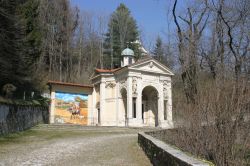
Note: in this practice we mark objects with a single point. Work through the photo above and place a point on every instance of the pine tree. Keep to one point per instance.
(122, 32)
(19, 44)
(10, 41)
(159, 50)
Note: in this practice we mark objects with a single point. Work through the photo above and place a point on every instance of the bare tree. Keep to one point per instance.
(102, 20)
(188, 46)
(235, 16)
(58, 22)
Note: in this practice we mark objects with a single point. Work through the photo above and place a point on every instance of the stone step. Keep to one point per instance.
(88, 128)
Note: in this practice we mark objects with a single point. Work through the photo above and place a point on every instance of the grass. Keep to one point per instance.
(32, 102)
(36, 134)
(33, 135)
(16, 137)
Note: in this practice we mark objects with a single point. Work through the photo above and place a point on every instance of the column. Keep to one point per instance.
(117, 96)
(102, 101)
(169, 105)
(129, 100)
(160, 106)
(139, 102)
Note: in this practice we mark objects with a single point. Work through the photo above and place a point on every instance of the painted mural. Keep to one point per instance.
(71, 108)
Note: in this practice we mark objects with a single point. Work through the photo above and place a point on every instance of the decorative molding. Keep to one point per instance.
(109, 84)
(123, 84)
(134, 85)
(166, 84)
(151, 64)
(165, 93)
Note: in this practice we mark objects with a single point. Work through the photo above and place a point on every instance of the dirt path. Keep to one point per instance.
(73, 145)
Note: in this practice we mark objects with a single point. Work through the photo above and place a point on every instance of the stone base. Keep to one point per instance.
(135, 122)
(108, 123)
(166, 124)
(138, 123)
(161, 153)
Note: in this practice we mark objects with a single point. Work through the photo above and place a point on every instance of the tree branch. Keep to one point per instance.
(175, 19)
(183, 19)
(229, 33)
(203, 27)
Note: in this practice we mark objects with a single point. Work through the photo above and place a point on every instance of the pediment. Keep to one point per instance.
(151, 65)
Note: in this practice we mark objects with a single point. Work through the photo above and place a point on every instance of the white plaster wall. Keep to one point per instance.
(109, 114)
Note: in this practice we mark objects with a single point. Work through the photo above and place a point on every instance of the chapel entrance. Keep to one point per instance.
(150, 106)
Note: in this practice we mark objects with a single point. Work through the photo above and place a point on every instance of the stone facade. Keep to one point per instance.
(138, 94)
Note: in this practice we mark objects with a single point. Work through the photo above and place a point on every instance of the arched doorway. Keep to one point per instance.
(124, 116)
(150, 106)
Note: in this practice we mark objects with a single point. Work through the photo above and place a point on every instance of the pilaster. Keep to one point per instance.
(139, 102)
(169, 105)
(93, 112)
(129, 99)
(102, 100)
(117, 96)
(160, 106)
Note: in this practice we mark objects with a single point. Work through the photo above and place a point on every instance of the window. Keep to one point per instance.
(142, 114)
(134, 107)
(165, 109)
(129, 60)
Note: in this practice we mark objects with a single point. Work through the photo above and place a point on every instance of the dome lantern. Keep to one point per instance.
(128, 52)
(128, 57)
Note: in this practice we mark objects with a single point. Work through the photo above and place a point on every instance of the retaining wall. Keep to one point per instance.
(14, 118)
(162, 154)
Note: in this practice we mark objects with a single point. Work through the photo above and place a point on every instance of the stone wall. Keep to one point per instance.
(14, 118)
(162, 154)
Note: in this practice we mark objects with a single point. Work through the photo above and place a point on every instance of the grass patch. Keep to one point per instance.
(33, 135)
(15, 137)
(31, 102)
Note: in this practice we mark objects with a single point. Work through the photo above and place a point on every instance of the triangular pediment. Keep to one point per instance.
(151, 65)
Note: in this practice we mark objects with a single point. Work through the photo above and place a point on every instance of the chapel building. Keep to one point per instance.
(137, 94)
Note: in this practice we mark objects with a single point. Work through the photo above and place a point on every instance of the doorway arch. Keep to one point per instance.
(150, 106)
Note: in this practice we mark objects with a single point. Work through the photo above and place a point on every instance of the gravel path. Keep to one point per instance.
(73, 145)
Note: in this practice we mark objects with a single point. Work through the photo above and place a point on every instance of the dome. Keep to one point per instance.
(128, 52)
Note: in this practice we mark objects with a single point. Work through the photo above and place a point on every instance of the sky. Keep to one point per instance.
(151, 15)
(70, 97)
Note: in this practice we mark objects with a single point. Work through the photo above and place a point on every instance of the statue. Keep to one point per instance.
(8, 90)
(134, 85)
(165, 92)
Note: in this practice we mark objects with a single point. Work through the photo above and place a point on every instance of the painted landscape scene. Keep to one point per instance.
(71, 108)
